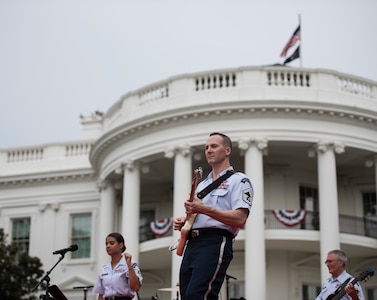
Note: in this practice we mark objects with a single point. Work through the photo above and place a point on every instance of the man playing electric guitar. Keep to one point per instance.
(219, 216)
(336, 263)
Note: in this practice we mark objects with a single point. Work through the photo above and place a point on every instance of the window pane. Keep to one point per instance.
(370, 204)
(309, 202)
(310, 292)
(370, 213)
(81, 235)
(237, 290)
(146, 216)
(372, 294)
(21, 233)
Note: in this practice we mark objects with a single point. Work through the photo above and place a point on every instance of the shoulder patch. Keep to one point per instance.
(247, 196)
(243, 180)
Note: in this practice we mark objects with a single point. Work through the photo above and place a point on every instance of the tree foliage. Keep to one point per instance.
(19, 272)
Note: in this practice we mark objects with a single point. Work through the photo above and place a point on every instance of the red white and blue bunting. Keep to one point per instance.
(161, 227)
(289, 217)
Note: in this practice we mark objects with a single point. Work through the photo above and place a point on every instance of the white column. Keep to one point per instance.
(105, 219)
(375, 171)
(255, 249)
(49, 228)
(183, 175)
(328, 200)
(131, 208)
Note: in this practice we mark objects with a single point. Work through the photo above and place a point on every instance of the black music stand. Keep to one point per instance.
(57, 293)
(227, 277)
(84, 288)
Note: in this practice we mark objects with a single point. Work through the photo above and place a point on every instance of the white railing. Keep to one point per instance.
(263, 77)
(356, 87)
(215, 81)
(154, 93)
(23, 155)
(32, 154)
(294, 78)
(77, 149)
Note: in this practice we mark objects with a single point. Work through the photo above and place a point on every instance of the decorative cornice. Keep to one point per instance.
(260, 143)
(184, 150)
(45, 179)
(129, 132)
(131, 165)
(42, 207)
(323, 146)
(101, 184)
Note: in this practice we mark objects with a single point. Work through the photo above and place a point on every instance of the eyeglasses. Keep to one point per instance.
(329, 261)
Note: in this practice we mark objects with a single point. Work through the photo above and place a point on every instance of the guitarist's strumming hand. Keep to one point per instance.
(191, 207)
(179, 222)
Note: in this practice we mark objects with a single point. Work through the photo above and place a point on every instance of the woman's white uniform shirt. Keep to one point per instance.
(115, 282)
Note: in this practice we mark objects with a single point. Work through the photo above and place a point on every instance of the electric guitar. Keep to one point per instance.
(189, 217)
(365, 275)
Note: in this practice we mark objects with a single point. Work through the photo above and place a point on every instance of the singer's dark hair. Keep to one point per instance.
(119, 238)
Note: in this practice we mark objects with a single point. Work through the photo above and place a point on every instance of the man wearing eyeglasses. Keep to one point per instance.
(336, 263)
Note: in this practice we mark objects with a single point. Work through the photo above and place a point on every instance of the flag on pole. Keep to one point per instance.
(295, 55)
(292, 41)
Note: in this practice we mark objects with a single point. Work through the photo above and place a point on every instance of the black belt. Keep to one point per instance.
(118, 298)
(210, 231)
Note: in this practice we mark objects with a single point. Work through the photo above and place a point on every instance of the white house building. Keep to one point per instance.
(307, 138)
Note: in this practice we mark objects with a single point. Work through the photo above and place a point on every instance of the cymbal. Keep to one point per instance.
(173, 289)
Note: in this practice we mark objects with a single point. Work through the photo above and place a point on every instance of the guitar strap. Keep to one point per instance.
(337, 291)
(214, 184)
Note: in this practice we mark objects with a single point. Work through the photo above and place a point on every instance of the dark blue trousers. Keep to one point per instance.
(204, 266)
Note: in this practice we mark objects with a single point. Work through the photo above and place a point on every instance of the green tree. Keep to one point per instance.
(19, 272)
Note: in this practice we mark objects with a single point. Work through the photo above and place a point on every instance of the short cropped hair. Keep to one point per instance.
(341, 255)
(227, 142)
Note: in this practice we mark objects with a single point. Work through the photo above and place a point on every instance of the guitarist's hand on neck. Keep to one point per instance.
(352, 292)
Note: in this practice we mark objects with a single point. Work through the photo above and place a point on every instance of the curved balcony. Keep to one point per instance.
(303, 236)
(347, 224)
(361, 226)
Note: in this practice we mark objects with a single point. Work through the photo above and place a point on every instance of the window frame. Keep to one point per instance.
(12, 221)
(71, 238)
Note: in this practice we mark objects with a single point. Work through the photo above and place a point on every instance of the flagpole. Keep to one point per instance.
(299, 22)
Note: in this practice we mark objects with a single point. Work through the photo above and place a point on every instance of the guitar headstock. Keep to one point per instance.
(199, 172)
(197, 176)
(365, 275)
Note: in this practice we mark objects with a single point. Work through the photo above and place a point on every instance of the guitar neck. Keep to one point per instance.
(189, 217)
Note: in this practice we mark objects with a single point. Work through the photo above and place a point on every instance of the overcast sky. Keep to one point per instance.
(63, 58)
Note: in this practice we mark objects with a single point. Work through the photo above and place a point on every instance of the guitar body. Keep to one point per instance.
(190, 218)
(185, 230)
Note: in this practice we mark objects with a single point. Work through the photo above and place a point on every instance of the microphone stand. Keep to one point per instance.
(47, 279)
(227, 277)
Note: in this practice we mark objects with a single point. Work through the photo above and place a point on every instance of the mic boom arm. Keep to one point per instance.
(46, 277)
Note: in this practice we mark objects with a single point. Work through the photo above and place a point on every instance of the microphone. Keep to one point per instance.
(65, 250)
